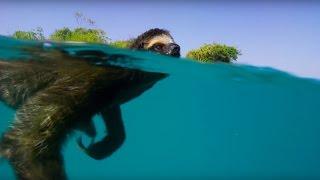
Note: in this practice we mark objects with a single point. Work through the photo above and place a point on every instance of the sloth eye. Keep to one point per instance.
(158, 47)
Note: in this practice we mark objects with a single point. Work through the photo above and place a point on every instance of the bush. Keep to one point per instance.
(121, 44)
(214, 53)
(80, 34)
(36, 34)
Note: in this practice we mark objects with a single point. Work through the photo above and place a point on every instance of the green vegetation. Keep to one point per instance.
(214, 53)
(36, 34)
(121, 44)
(206, 53)
(80, 34)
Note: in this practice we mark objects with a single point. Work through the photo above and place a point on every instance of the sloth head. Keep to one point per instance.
(157, 40)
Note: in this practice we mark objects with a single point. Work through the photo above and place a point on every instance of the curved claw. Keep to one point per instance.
(112, 141)
(101, 149)
(81, 145)
(91, 150)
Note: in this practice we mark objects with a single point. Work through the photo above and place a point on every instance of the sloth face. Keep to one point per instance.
(171, 49)
(164, 45)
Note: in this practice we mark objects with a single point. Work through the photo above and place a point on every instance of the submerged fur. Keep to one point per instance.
(52, 96)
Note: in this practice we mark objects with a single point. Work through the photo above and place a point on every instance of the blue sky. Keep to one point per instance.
(283, 35)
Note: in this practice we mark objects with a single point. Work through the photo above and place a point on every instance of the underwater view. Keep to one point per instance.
(203, 121)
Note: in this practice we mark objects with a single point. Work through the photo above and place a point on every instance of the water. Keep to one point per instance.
(203, 121)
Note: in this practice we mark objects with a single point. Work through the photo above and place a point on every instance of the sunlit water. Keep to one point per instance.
(203, 121)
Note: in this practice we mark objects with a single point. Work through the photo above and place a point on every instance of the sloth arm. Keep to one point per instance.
(113, 140)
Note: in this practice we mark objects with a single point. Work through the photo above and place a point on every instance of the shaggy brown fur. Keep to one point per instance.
(55, 93)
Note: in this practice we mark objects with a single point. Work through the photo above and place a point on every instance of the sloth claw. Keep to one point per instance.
(88, 150)
(82, 146)
(97, 150)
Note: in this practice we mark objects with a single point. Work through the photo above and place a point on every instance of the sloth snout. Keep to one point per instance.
(174, 49)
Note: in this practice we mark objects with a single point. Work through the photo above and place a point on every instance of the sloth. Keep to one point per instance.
(55, 93)
(156, 40)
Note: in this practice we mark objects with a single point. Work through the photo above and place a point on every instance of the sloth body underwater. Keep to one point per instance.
(54, 94)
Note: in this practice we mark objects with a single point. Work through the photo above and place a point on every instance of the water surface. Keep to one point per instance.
(228, 121)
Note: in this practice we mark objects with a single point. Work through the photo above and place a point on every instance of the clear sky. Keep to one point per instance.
(283, 35)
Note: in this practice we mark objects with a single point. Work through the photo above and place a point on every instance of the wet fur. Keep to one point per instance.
(52, 95)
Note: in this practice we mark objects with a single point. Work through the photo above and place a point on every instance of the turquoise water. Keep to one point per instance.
(203, 121)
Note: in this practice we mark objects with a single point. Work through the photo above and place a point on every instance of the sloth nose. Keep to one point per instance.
(175, 48)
